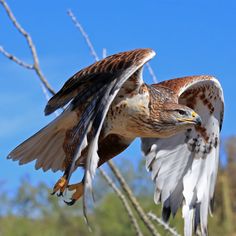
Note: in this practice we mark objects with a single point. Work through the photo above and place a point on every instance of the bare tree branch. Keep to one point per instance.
(31, 45)
(124, 201)
(15, 59)
(164, 224)
(47, 96)
(133, 199)
(151, 72)
(84, 34)
(19, 28)
(104, 52)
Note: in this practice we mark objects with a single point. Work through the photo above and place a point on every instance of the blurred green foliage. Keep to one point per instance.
(31, 210)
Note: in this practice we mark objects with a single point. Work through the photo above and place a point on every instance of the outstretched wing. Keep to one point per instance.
(184, 167)
(89, 80)
(107, 76)
(89, 94)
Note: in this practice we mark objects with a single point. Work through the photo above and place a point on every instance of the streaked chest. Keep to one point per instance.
(127, 112)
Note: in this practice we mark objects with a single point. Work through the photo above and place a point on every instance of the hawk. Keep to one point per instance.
(107, 105)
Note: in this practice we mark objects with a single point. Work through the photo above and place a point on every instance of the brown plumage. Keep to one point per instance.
(110, 106)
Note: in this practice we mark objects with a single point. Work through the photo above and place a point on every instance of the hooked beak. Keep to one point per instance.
(198, 121)
(195, 119)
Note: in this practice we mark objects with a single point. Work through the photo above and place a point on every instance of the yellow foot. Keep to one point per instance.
(60, 186)
(79, 191)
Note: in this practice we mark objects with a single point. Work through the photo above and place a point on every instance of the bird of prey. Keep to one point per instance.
(107, 105)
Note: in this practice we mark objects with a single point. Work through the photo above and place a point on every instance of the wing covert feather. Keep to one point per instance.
(97, 74)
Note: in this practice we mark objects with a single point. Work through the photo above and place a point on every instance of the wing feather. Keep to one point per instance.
(93, 116)
(98, 74)
(46, 146)
(89, 94)
(184, 167)
(104, 100)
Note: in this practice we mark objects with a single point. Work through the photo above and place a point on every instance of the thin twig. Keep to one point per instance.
(31, 45)
(164, 224)
(15, 59)
(47, 96)
(133, 199)
(151, 72)
(104, 52)
(124, 201)
(45, 91)
(84, 34)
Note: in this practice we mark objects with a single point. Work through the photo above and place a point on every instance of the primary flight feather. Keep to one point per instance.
(109, 105)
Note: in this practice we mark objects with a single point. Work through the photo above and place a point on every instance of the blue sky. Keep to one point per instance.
(190, 38)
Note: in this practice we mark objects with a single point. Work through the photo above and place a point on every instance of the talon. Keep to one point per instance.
(60, 194)
(79, 190)
(70, 203)
(60, 186)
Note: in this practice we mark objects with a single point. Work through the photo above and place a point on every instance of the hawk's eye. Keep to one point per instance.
(182, 113)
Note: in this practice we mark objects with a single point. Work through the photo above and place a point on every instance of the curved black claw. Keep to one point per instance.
(70, 203)
(60, 194)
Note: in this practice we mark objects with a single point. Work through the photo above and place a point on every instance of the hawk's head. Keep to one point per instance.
(174, 118)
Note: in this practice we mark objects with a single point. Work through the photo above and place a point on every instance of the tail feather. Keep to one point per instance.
(31, 148)
(51, 161)
(49, 145)
(46, 146)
